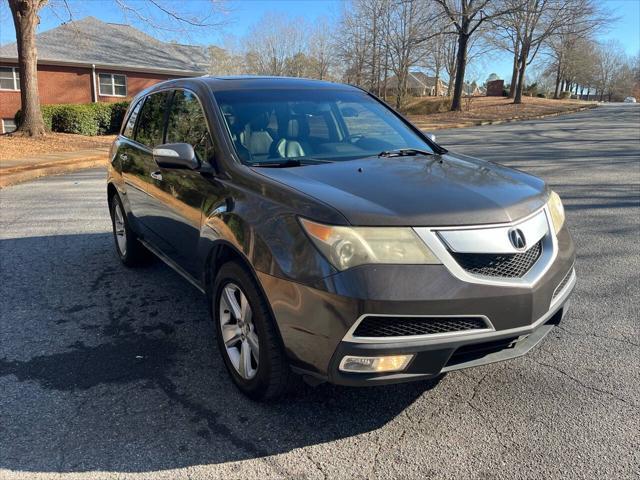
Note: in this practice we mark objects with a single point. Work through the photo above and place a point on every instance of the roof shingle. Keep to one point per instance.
(91, 41)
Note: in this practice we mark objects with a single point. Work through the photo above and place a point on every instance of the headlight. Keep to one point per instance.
(347, 247)
(557, 211)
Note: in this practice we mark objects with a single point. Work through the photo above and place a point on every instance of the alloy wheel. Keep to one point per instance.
(119, 229)
(238, 331)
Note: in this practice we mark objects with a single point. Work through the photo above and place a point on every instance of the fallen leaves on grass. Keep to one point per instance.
(19, 146)
(481, 109)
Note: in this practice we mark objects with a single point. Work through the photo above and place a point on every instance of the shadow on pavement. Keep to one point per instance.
(110, 369)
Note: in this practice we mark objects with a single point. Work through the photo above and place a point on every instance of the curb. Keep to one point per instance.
(13, 175)
(481, 123)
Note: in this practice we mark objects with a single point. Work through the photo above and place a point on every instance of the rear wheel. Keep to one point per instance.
(246, 335)
(128, 248)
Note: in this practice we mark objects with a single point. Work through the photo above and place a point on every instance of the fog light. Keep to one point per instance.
(391, 363)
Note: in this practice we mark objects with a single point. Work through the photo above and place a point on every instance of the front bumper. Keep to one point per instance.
(314, 321)
(435, 356)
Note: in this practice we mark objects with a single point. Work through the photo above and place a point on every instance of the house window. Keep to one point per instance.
(8, 125)
(9, 78)
(112, 85)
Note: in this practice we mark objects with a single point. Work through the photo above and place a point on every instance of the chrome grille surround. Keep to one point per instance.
(445, 242)
(351, 337)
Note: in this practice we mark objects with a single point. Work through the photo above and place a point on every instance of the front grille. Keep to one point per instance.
(408, 326)
(562, 284)
(511, 265)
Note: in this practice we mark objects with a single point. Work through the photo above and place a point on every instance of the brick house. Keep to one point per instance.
(418, 85)
(92, 61)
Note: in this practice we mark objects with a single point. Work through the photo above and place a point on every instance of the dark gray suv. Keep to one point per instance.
(332, 238)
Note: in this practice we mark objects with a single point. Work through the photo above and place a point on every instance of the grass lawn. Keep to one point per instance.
(483, 109)
(16, 146)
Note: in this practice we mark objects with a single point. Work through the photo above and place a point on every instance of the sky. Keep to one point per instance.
(242, 14)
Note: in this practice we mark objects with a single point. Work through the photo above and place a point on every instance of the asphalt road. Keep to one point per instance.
(107, 372)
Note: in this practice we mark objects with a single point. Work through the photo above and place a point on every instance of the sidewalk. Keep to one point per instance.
(25, 169)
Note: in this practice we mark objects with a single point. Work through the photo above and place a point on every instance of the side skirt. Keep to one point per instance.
(173, 265)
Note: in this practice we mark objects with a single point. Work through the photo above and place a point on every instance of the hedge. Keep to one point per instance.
(82, 119)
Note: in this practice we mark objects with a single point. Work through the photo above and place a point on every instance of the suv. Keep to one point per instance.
(334, 239)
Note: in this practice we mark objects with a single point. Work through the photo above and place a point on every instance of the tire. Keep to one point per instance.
(130, 251)
(267, 375)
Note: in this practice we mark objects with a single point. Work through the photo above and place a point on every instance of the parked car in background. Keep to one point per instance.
(332, 238)
(630, 100)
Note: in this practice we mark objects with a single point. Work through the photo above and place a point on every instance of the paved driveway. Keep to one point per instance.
(112, 373)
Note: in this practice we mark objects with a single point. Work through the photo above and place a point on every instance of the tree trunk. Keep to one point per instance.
(26, 20)
(514, 74)
(461, 64)
(523, 67)
(558, 79)
(402, 86)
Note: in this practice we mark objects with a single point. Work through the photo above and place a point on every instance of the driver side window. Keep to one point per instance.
(188, 124)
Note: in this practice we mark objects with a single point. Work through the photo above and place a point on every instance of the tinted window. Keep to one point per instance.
(365, 122)
(149, 130)
(267, 125)
(187, 124)
(131, 122)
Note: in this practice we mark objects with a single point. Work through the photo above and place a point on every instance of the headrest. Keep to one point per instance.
(297, 128)
(260, 121)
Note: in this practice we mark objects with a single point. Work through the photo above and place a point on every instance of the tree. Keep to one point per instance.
(540, 20)
(25, 14)
(466, 17)
(272, 44)
(320, 50)
(26, 19)
(408, 32)
(610, 59)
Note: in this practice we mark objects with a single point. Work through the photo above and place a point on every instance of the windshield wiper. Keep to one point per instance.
(290, 162)
(404, 152)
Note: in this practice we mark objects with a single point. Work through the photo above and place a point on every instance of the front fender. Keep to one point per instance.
(276, 245)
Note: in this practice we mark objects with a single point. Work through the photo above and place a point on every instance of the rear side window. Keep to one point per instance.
(151, 121)
(188, 124)
(131, 122)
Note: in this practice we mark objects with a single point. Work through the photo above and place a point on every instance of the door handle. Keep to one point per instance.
(156, 175)
(124, 157)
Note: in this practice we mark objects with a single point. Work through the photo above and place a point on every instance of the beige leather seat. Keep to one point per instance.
(294, 142)
(255, 137)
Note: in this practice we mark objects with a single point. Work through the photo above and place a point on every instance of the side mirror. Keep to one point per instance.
(176, 155)
(431, 136)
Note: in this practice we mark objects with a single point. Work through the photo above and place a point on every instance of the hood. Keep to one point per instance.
(439, 190)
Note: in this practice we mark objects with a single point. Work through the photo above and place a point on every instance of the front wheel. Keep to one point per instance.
(246, 335)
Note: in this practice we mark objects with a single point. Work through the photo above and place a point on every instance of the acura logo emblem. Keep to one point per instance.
(516, 237)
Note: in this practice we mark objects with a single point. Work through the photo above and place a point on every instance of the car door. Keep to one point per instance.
(130, 163)
(148, 133)
(181, 193)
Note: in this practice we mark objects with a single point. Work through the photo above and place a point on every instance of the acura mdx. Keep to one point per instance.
(332, 238)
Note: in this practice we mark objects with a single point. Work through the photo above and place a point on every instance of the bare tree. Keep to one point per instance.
(539, 20)
(26, 17)
(320, 50)
(272, 43)
(409, 30)
(610, 59)
(466, 17)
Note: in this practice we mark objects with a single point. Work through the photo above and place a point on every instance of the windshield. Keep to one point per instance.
(311, 126)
